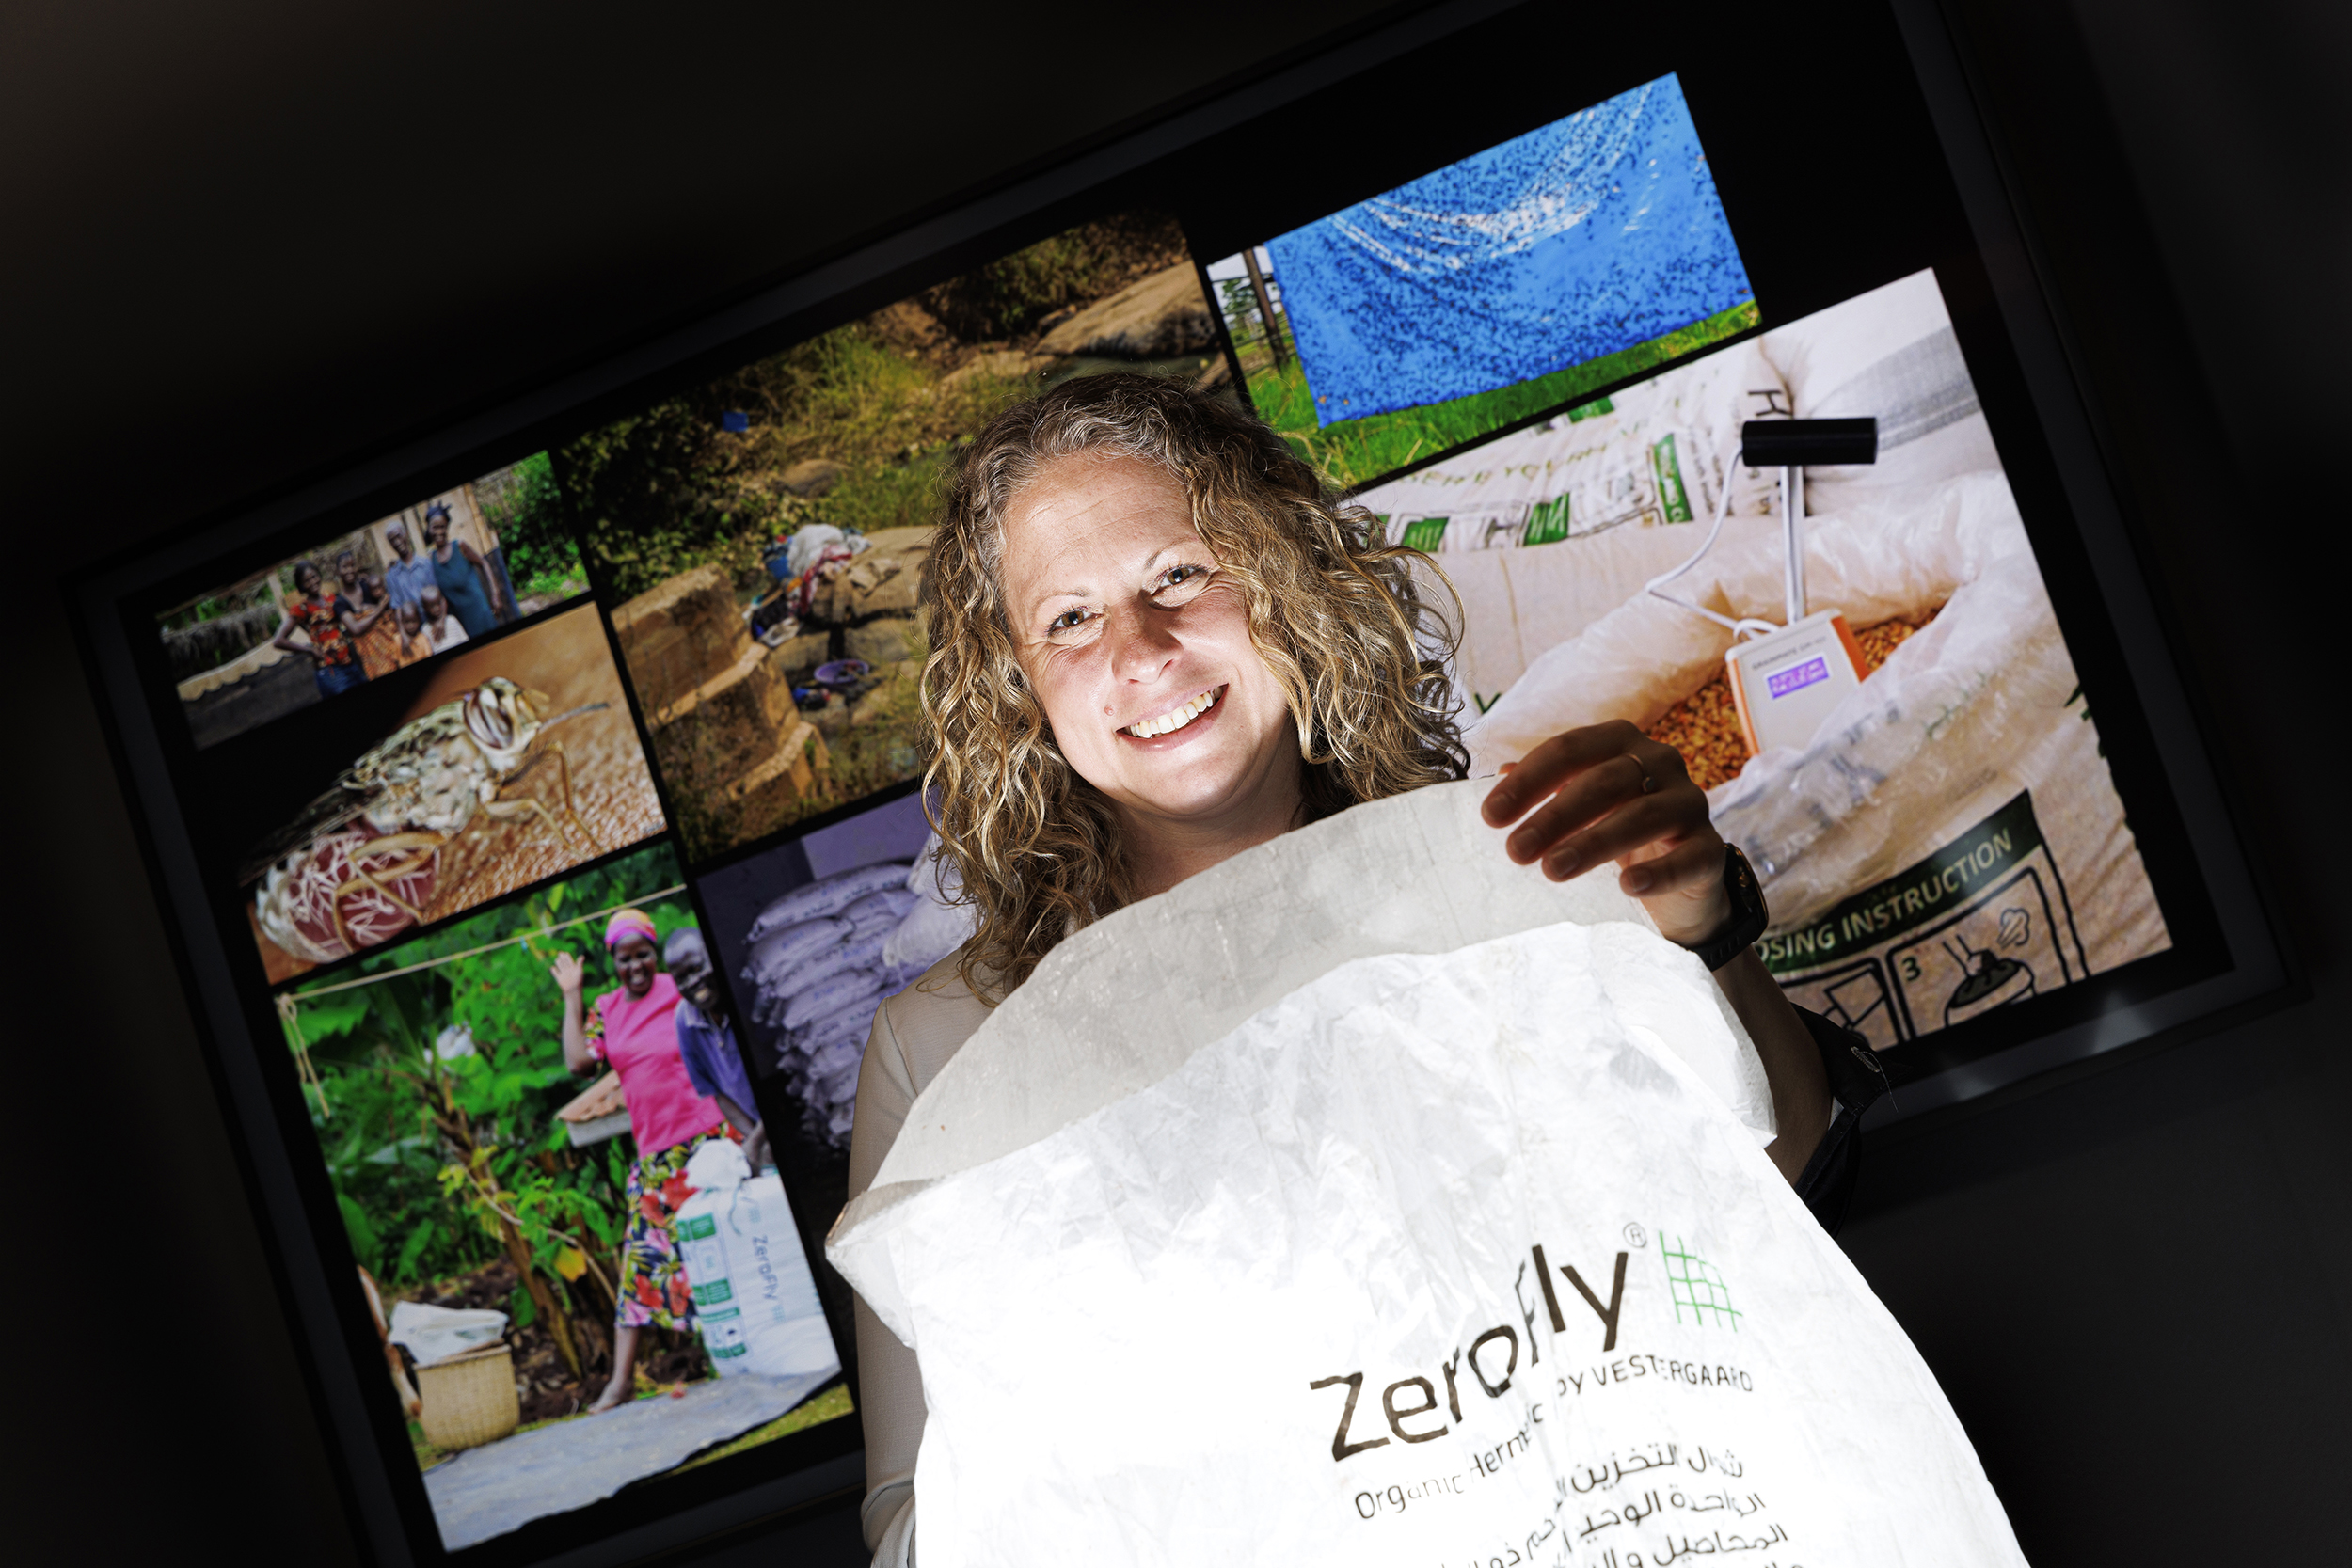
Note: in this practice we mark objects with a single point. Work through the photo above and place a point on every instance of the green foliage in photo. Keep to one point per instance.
(535, 530)
(661, 492)
(440, 1088)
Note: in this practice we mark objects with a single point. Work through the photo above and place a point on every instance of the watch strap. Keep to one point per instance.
(1748, 914)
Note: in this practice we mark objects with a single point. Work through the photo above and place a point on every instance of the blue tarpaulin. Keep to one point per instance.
(1590, 235)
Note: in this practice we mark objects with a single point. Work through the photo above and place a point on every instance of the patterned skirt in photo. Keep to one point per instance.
(653, 1278)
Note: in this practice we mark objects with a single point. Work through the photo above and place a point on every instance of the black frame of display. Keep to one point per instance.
(2226, 954)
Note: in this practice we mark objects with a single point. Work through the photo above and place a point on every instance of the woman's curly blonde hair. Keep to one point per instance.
(1337, 615)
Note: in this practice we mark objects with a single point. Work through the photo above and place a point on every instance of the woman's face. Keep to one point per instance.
(306, 581)
(436, 531)
(1139, 649)
(634, 959)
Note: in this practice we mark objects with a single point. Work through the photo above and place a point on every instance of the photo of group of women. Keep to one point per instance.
(514, 1111)
(356, 606)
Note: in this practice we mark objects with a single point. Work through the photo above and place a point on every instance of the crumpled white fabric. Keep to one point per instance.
(440, 1332)
(1491, 1193)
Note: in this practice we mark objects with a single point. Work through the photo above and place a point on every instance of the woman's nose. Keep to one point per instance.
(1142, 644)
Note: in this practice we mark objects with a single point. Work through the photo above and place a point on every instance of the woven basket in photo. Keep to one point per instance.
(468, 1400)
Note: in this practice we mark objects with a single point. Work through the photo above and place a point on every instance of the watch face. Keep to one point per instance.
(1740, 878)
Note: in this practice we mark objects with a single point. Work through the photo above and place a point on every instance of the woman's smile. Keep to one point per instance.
(1186, 721)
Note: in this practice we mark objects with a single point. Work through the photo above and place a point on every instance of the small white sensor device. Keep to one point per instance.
(1784, 681)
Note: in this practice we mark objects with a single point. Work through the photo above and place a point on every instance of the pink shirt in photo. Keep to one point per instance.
(640, 1040)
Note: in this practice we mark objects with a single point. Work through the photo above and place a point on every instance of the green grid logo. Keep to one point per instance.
(697, 1226)
(1694, 1286)
(717, 1291)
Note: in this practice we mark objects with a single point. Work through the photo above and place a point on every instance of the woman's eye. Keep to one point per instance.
(1069, 619)
(1179, 576)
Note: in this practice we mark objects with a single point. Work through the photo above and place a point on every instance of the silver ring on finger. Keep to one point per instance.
(1649, 786)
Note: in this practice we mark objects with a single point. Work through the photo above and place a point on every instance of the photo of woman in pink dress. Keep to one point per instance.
(632, 1031)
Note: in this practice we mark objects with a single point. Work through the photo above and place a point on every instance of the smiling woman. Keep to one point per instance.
(1157, 640)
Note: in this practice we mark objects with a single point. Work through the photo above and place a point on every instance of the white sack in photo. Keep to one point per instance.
(937, 925)
(1608, 488)
(1459, 1247)
(1978, 712)
(1518, 605)
(1651, 454)
(1877, 563)
(755, 1299)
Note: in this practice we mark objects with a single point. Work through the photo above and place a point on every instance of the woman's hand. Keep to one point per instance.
(569, 972)
(1607, 792)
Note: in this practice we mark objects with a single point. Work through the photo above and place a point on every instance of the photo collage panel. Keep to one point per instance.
(578, 901)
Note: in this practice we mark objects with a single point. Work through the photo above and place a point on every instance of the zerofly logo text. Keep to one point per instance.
(1410, 1403)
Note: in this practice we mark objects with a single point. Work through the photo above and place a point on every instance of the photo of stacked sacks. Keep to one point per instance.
(823, 958)
(1947, 839)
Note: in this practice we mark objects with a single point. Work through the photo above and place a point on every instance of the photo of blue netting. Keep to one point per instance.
(1595, 234)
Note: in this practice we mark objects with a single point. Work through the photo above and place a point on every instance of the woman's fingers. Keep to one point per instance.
(1638, 822)
(1656, 780)
(1550, 764)
(1582, 801)
(1607, 792)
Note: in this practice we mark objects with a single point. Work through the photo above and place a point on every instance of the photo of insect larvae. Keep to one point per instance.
(517, 763)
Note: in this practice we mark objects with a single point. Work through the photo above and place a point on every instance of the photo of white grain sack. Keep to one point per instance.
(816, 933)
(1946, 838)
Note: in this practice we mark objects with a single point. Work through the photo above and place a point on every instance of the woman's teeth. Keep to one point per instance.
(1174, 720)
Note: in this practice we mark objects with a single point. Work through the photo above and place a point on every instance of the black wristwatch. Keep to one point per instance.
(1748, 916)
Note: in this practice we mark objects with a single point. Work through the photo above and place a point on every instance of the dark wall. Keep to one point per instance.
(245, 244)
(2134, 1285)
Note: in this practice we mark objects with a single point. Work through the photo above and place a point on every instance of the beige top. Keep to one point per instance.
(914, 1035)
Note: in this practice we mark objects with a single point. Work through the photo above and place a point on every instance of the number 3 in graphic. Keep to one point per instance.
(1911, 967)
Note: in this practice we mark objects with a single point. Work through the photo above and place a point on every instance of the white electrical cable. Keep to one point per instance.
(1745, 626)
